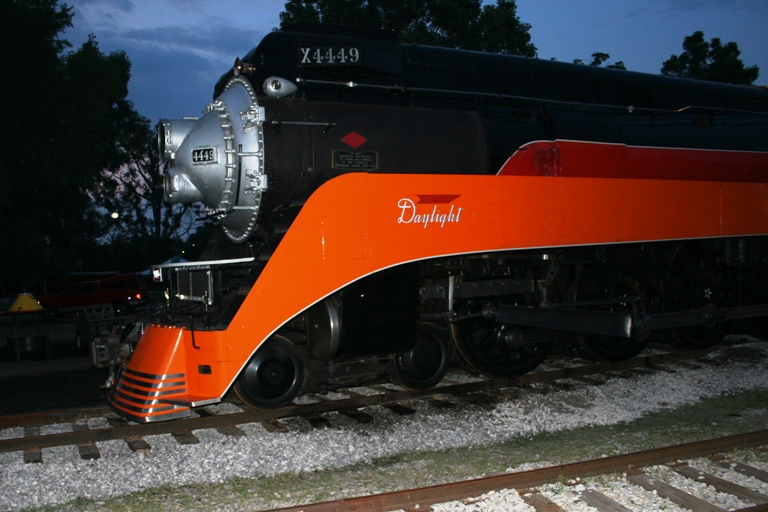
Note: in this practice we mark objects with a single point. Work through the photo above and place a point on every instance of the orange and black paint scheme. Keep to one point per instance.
(387, 210)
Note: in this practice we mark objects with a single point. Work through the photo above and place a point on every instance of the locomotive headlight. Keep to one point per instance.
(219, 159)
(276, 87)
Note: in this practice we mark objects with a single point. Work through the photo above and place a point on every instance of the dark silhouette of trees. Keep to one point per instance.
(713, 61)
(600, 58)
(75, 153)
(139, 227)
(465, 24)
(57, 126)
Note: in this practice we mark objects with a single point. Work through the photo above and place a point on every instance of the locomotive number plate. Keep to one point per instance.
(203, 155)
(329, 56)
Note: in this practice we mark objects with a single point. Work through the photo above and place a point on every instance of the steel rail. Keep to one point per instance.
(413, 499)
(357, 402)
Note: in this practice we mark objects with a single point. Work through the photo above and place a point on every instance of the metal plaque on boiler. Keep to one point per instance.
(355, 160)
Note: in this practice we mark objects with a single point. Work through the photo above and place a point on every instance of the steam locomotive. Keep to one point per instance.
(386, 209)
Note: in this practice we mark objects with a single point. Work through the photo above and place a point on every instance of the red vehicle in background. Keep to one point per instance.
(122, 292)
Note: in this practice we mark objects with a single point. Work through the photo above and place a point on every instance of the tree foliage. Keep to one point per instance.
(600, 58)
(713, 61)
(465, 24)
(57, 122)
(139, 226)
(76, 152)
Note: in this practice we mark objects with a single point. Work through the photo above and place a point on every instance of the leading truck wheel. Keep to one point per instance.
(273, 377)
(426, 363)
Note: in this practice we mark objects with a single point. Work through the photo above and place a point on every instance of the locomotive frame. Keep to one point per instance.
(385, 215)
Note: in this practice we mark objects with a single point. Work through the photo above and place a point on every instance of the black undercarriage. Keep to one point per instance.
(497, 314)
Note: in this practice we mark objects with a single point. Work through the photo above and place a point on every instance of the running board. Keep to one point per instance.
(622, 324)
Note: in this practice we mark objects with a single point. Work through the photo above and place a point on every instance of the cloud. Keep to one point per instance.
(175, 69)
(178, 49)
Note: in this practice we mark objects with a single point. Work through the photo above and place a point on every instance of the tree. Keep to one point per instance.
(598, 58)
(138, 227)
(57, 121)
(462, 24)
(502, 31)
(711, 61)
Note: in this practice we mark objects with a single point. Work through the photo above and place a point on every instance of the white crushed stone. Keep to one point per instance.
(219, 458)
(12, 433)
(634, 497)
(698, 489)
(750, 482)
(505, 499)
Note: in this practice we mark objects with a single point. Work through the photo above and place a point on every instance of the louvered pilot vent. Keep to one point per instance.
(140, 395)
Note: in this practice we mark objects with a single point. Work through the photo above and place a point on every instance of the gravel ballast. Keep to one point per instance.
(305, 450)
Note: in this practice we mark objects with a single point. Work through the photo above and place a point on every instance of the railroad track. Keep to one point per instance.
(85, 438)
(636, 469)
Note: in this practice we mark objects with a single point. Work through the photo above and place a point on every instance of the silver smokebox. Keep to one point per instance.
(218, 159)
